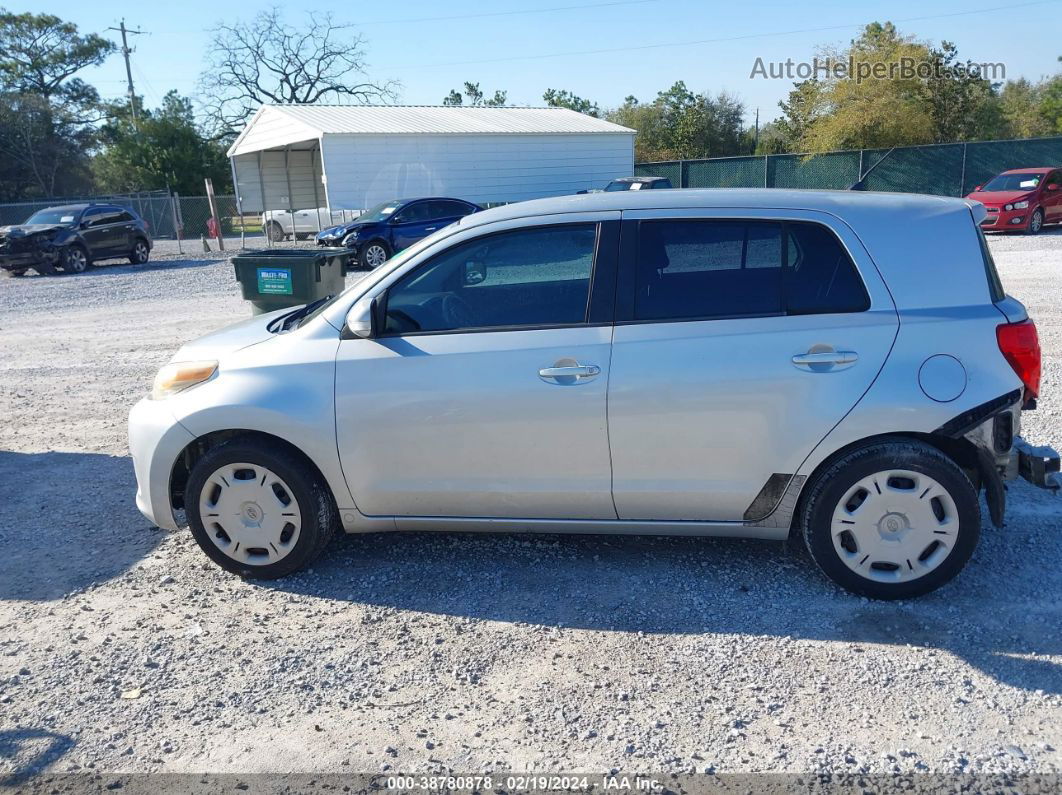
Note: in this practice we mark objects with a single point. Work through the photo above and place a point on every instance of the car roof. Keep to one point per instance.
(844, 204)
(433, 199)
(76, 208)
(638, 179)
(1034, 170)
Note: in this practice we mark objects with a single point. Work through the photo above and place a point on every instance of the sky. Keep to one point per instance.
(603, 50)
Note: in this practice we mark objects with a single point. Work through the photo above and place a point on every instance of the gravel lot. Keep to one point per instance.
(123, 650)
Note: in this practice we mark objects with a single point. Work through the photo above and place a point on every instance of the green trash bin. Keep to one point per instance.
(275, 278)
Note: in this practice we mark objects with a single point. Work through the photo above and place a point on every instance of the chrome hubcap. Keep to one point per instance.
(141, 252)
(250, 514)
(895, 526)
(1036, 222)
(75, 260)
(375, 256)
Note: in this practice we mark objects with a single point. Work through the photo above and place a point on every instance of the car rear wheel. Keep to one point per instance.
(892, 520)
(1036, 223)
(257, 511)
(17, 272)
(275, 232)
(140, 253)
(374, 254)
(75, 259)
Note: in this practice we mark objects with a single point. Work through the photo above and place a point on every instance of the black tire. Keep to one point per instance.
(75, 259)
(1036, 222)
(841, 475)
(18, 272)
(368, 253)
(315, 505)
(140, 253)
(275, 232)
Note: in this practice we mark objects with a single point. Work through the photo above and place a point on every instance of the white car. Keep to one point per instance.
(302, 224)
(748, 363)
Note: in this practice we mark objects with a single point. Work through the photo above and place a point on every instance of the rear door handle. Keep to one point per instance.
(570, 374)
(821, 361)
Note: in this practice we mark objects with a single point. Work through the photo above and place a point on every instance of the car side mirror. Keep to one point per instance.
(1053, 186)
(361, 320)
(475, 272)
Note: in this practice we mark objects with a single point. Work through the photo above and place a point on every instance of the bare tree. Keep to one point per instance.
(267, 60)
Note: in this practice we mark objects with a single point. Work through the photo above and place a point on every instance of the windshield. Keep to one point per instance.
(1013, 182)
(60, 216)
(613, 186)
(381, 212)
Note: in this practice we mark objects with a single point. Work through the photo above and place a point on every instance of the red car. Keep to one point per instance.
(1022, 199)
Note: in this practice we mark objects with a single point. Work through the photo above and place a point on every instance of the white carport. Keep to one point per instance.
(292, 157)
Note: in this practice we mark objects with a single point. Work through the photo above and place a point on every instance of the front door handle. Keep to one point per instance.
(569, 374)
(431, 229)
(828, 360)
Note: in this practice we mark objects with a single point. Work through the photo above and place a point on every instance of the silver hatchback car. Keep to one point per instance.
(841, 367)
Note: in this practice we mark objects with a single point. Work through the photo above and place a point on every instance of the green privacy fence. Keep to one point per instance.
(941, 169)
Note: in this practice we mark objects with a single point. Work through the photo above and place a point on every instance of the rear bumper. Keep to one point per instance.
(1038, 465)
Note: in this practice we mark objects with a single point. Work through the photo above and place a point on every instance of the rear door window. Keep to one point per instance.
(820, 277)
(708, 269)
(705, 269)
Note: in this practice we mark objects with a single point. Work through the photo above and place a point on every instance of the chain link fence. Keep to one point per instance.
(940, 169)
(168, 216)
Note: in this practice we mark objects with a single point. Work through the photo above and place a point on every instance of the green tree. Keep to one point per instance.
(566, 99)
(1021, 106)
(877, 112)
(682, 124)
(164, 148)
(47, 113)
(963, 105)
(473, 96)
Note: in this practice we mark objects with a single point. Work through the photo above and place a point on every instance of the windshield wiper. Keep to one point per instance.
(292, 319)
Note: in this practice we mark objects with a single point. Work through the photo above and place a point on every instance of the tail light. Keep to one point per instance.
(1020, 346)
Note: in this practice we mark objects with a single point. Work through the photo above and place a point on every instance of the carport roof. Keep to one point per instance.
(313, 121)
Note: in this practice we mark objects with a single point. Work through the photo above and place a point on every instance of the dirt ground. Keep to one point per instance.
(122, 649)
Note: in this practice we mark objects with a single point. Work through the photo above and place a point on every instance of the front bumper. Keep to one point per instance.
(1038, 465)
(156, 440)
(1001, 220)
(30, 258)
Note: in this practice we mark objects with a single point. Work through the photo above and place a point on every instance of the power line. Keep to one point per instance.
(484, 14)
(609, 50)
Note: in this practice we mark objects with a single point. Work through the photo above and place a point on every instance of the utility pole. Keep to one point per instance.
(756, 137)
(126, 52)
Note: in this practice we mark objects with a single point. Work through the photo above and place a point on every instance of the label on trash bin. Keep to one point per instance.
(274, 281)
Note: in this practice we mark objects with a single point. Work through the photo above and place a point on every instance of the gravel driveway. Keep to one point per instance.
(122, 649)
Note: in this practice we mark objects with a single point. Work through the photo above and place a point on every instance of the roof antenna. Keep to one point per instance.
(861, 183)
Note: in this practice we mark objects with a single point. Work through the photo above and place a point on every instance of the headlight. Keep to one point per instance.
(1023, 205)
(350, 238)
(179, 376)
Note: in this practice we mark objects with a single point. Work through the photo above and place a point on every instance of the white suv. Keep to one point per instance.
(750, 363)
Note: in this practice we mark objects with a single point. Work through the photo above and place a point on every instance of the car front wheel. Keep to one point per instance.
(374, 254)
(258, 511)
(75, 259)
(1036, 223)
(891, 520)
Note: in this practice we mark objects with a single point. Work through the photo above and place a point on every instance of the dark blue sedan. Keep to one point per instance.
(378, 233)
